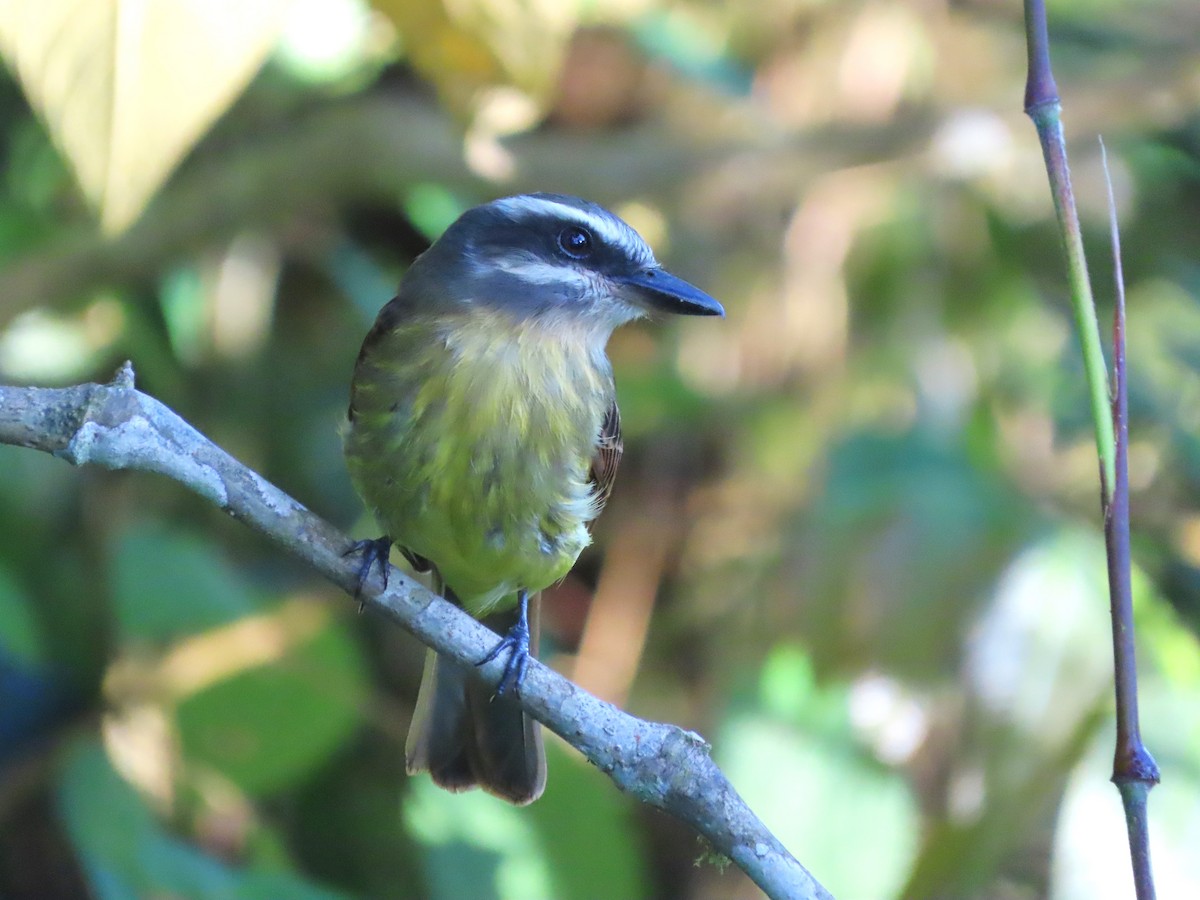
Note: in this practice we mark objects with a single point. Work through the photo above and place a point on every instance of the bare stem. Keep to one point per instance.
(1043, 107)
(1134, 770)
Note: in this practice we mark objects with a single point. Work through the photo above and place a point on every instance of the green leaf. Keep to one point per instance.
(594, 853)
(578, 842)
(127, 855)
(796, 762)
(475, 846)
(909, 528)
(127, 87)
(20, 636)
(267, 727)
(168, 584)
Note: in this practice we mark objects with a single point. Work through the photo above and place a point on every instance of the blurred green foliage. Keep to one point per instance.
(864, 507)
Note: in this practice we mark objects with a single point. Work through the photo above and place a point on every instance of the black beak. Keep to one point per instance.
(658, 289)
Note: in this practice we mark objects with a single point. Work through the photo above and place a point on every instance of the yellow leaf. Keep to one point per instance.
(126, 87)
(465, 46)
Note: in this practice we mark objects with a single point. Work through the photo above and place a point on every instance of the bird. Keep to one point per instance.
(483, 434)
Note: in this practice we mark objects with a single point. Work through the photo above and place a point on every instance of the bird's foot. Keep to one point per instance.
(516, 642)
(374, 553)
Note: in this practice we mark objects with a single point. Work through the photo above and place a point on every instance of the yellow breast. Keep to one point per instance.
(473, 441)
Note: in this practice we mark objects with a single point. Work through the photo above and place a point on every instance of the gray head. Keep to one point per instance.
(550, 254)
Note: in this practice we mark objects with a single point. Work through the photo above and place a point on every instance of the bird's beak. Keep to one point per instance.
(658, 289)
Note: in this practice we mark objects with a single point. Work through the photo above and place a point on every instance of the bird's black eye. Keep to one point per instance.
(576, 242)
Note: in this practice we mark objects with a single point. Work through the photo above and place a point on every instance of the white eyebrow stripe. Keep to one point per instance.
(606, 228)
(609, 230)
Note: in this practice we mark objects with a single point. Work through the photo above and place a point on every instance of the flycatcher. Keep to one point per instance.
(484, 435)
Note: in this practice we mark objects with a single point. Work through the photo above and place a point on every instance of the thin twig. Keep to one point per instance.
(117, 427)
(1134, 769)
(1043, 107)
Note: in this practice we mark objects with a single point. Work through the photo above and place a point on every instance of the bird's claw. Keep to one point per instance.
(516, 642)
(375, 553)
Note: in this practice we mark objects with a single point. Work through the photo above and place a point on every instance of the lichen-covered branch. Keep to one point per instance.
(117, 427)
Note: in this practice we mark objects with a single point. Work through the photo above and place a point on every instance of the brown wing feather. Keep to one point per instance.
(608, 456)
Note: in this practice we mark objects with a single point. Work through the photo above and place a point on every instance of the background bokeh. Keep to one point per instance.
(855, 540)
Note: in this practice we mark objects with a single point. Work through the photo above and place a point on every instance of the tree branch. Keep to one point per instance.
(118, 427)
(277, 174)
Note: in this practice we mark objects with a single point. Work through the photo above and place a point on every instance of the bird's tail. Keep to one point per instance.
(464, 735)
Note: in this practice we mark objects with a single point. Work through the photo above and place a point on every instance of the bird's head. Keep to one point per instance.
(551, 255)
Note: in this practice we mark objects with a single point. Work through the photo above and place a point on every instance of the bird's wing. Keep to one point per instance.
(391, 315)
(608, 456)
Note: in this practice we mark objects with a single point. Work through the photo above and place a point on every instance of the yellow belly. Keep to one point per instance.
(472, 442)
